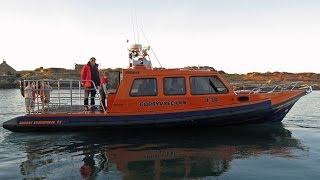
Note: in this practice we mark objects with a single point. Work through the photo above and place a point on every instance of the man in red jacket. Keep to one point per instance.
(89, 78)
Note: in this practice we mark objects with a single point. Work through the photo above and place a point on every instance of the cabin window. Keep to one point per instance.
(113, 81)
(207, 85)
(144, 87)
(174, 86)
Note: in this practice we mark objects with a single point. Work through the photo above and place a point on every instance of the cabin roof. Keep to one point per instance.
(166, 72)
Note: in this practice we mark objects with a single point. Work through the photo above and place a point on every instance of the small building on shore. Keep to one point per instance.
(78, 67)
(6, 69)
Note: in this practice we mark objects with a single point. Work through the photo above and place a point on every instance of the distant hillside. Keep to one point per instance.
(234, 79)
(312, 79)
(50, 73)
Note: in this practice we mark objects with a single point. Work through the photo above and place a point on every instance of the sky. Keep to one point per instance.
(236, 36)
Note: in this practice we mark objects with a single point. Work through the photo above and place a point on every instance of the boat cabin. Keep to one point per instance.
(143, 90)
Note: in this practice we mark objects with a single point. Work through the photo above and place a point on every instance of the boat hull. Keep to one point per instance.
(247, 114)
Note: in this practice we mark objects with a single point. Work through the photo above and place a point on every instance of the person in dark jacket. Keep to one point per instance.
(89, 77)
(104, 89)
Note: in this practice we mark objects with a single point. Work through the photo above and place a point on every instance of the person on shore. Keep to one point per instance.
(30, 96)
(90, 80)
(104, 89)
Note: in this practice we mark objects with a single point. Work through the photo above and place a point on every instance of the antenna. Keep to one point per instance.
(133, 27)
(135, 12)
(151, 47)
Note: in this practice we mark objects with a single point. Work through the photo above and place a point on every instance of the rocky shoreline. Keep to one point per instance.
(313, 79)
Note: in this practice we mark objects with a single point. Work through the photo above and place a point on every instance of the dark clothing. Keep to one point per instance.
(92, 93)
(95, 74)
(103, 98)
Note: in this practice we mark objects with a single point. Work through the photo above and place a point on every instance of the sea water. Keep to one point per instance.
(287, 150)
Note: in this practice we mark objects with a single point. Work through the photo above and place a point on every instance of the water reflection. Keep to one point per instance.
(164, 154)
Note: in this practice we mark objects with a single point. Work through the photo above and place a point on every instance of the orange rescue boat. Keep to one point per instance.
(143, 97)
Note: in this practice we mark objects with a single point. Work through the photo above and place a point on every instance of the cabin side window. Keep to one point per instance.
(144, 87)
(113, 81)
(174, 86)
(207, 85)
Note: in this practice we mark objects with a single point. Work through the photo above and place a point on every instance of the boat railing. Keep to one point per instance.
(270, 87)
(57, 96)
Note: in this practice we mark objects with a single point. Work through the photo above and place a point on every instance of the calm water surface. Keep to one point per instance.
(290, 150)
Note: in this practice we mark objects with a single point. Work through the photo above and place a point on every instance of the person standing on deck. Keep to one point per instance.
(90, 75)
(104, 89)
(45, 89)
(30, 96)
